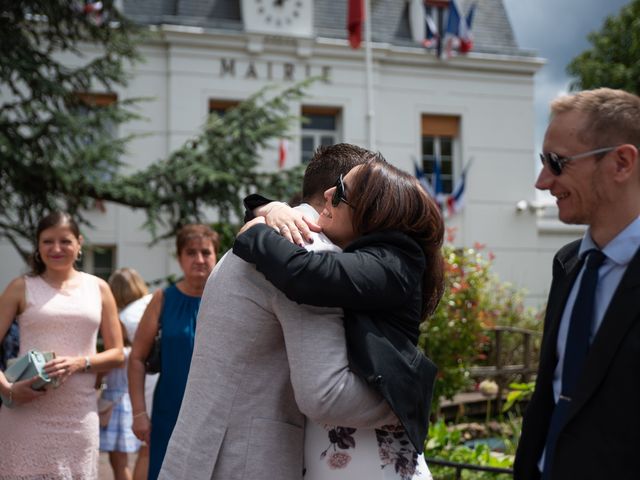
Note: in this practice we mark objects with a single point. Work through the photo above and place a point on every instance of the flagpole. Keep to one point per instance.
(371, 135)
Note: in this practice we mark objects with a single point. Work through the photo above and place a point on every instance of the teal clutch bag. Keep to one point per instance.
(29, 365)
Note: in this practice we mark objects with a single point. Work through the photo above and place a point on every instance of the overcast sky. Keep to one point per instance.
(557, 30)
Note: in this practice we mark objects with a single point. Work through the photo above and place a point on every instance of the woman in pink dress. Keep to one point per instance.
(53, 434)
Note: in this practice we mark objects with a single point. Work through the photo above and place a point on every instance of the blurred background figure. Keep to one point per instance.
(174, 309)
(117, 436)
(132, 297)
(54, 433)
(10, 346)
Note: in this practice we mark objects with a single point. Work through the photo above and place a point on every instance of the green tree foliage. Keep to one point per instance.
(456, 336)
(614, 57)
(216, 168)
(53, 149)
(56, 149)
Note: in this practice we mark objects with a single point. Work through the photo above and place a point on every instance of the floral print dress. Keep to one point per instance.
(342, 453)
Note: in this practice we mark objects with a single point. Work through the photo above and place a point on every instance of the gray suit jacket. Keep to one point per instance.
(261, 363)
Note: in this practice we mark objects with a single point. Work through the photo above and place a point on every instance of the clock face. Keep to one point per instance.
(279, 13)
(281, 17)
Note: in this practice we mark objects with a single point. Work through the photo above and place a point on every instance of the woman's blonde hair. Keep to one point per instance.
(127, 285)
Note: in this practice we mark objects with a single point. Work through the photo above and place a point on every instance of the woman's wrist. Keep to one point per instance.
(86, 364)
(139, 414)
(7, 390)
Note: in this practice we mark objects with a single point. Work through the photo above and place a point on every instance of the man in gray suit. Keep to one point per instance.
(262, 363)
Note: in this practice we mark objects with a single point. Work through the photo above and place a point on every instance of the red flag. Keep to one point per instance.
(282, 152)
(355, 19)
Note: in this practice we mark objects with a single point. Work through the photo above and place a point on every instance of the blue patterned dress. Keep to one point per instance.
(118, 436)
(178, 319)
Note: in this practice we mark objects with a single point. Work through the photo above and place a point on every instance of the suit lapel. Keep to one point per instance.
(622, 313)
(564, 278)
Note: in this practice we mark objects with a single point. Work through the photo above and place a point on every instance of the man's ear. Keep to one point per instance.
(626, 162)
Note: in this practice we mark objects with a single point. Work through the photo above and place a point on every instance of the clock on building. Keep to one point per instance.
(278, 17)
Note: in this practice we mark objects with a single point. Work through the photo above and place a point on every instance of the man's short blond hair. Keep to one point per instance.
(612, 116)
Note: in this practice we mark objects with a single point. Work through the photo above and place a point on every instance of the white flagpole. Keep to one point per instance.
(369, 77)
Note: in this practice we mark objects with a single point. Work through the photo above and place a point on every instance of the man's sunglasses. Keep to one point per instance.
(556, 163)
(338, 194)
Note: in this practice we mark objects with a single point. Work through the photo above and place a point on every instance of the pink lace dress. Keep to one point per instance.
(56, 436)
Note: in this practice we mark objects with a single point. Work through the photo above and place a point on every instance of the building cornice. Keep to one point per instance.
(383, 53)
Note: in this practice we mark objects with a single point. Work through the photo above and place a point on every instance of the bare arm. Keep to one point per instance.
(12, 304)
(142, 343)
(326, 390)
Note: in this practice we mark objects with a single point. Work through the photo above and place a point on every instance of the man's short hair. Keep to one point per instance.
(612, 116)
(327, 164)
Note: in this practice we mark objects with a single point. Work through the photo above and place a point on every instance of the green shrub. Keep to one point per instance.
(457, 336)
(447, 443)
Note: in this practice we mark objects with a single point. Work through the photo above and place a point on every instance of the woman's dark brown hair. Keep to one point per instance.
(384, 197)
(54, 219)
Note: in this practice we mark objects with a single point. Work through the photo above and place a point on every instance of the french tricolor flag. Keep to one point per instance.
(458, 31)
(455, 201)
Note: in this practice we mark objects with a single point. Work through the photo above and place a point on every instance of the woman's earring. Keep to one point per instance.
(79, 256)
(36, 256)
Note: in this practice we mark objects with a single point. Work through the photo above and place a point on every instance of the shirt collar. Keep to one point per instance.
(621, 249)
(309, 211)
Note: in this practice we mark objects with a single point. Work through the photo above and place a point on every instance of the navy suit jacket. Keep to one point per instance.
(601, 437)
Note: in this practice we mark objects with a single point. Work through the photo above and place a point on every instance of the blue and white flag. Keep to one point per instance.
(432, 35)
(437, 177)
(423, 180)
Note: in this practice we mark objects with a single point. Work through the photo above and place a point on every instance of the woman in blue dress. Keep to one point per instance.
(174, 310)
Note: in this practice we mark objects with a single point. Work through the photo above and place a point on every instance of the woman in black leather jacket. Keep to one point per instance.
(388, 279)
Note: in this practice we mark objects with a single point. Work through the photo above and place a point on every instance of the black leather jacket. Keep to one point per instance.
(378, 282)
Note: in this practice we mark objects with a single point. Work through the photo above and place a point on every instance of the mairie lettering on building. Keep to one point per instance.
(285, 71)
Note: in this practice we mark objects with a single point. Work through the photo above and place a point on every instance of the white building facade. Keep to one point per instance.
(472, 110)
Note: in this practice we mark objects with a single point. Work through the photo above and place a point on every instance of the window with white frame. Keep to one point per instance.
(99, 260)
(321, 127)
(439, 150)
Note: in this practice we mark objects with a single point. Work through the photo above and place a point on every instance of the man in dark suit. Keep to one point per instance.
(583, 421)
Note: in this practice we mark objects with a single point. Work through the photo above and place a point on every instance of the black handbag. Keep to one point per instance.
(153, 362)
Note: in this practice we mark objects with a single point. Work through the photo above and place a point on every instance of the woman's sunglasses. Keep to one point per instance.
(556, 163)
(338, 193)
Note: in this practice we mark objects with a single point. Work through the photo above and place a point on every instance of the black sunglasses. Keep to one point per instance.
(556, 163)
(338, 194)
